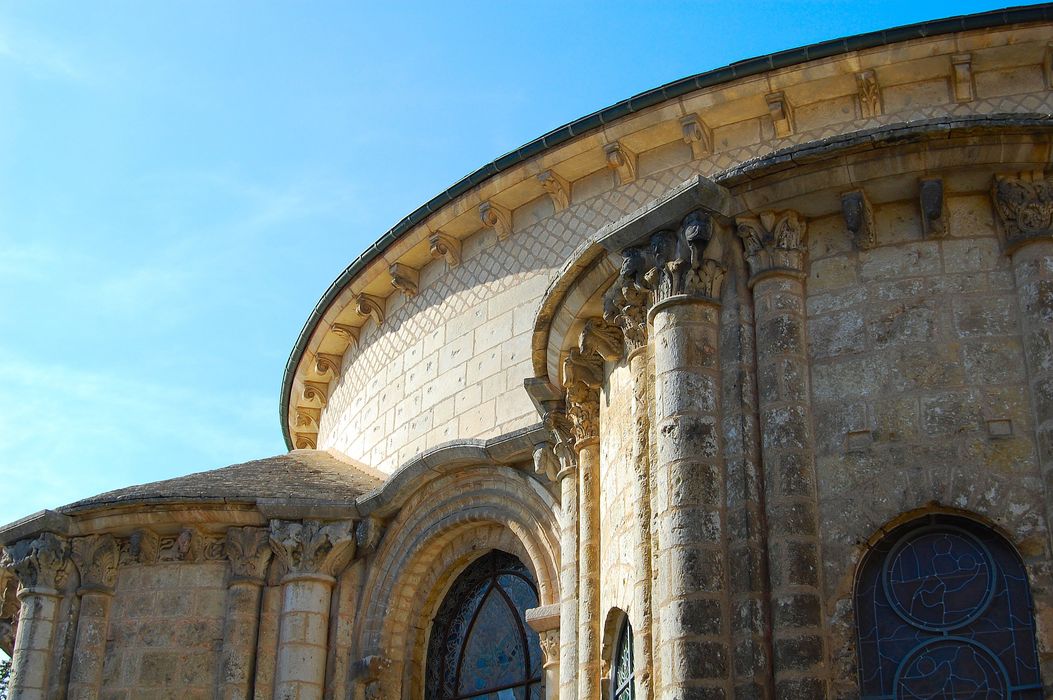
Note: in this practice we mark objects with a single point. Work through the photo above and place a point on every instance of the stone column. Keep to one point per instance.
(775, 251)
(1024, 206)
(311, 553)
(545, 621)
(248, 550)
(96, 559)
(559, 428)
(41, 566)
(583, 377)
(686, 277)
(625, 306)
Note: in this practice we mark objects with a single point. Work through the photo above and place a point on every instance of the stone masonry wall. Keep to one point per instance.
(617, 506)
(166, 630)
(919, 391)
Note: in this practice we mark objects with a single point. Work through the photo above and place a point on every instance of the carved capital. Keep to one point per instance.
(550, 648)
(930, 195)
(557, 187)
(496, 217)
(773, 241)
(781, 113)
(248, 549)
(405, 279)
(688, 261)
(622, 161)
(1025, 208)
(312, 547)
(697, 135)
(96, 558)
(560, 445)
(859, 219)
(370, 306)
(869, 93)
(582, 378)
(444, 246)
(40, 563)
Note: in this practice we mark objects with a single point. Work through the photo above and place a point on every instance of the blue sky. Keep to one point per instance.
(179, 183)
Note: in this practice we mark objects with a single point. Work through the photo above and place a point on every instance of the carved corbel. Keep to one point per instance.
(557, 187)
(601, 338)
(312, 547)
(773, 241)
(141, 547)
(40, 563)
(368, 532)
(405, 279)
(496, 217)
(371, 307)
(962, 77)
(248, 549)
(444, 246)
(697, 135)
(348, 334)
(1024, 205)
(306, 420)
(859, 219)
(327, 365)
(315, 394)
(622, 161)
(96, 558)
(546, 463)
(869, 94)
(931, 197)
(305, 441)
(183, 546)
(781, 113)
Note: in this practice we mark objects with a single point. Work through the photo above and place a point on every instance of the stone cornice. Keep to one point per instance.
(678, 111)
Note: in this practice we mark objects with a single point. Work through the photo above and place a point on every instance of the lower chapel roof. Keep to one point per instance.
(300, 474)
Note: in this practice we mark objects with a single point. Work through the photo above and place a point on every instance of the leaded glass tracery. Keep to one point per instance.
(481, 647)
(623, 679)
(943, 610)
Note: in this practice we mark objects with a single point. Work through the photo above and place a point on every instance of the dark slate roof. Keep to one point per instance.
(741, 69)
(300, 474)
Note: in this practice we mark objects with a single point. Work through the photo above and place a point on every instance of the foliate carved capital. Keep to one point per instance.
(773, 241)
(41, 562)
(555, 458)
(1025, 208)
(97, 558)
(249, 551)
(582, 378)
(312, 547)
(550, 648)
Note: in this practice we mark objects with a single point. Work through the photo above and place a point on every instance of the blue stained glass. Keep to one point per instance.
(943, 610)
(480, 645)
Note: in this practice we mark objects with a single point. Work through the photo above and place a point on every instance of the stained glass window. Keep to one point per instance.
(623, 684)
(480, 646)
(943, 610)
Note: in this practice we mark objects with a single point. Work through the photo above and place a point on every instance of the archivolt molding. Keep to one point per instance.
(443, 526)
(620, 139)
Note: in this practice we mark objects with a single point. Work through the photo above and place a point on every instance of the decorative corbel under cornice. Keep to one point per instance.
(557, 187)
(781, 113)
(315, 394)
(496, 217)
(368, 532)
(933, 207)
(622, 161)
(405, 279)
(442, 245)
(141, 547)
(697, 135)
(859, 219)
(371, 307)
(773, 242)
(869, 94)
(327, 366)
(1024, 204)
(346, 333)
(248, 549)
(305, 441)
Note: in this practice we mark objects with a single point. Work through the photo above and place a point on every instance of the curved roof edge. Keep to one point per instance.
(740, 69)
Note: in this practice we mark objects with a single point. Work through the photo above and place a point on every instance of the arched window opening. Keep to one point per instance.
(623, 680)
(480, 646)
(943, 610)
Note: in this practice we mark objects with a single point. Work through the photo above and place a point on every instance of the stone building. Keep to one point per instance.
(740, 388)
